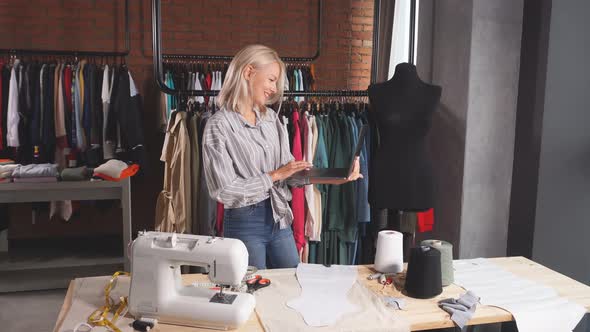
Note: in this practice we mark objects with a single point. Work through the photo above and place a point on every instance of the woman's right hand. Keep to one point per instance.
(291, 168)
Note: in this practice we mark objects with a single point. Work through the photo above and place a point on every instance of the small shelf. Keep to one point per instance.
(48, 268)
(22, 260)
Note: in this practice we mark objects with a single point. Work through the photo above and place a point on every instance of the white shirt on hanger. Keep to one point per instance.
(301, 88)
(132, 87)
(198, 86)
(13, 118)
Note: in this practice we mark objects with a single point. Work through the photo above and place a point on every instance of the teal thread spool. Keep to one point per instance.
(446, 259)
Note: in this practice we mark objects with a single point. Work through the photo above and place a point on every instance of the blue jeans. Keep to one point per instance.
(268, 245)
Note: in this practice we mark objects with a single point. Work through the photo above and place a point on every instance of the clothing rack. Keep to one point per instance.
(15, 52)
(285, 59)
(183, 94)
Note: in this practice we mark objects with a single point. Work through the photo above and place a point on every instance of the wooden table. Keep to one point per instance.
(424, 314)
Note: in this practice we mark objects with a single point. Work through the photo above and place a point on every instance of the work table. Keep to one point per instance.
(421, 314)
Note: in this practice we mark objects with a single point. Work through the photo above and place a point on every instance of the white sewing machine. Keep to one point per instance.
(157, 290)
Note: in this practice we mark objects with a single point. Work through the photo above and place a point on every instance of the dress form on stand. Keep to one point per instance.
(400, 116)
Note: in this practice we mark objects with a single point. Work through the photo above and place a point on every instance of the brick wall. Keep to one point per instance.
(218, 27)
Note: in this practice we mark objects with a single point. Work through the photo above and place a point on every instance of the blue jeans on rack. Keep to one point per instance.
(268, 245)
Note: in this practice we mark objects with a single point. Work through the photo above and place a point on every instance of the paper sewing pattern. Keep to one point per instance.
(535, 307)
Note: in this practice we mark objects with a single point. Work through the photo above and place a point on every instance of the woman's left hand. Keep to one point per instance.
(354, 175)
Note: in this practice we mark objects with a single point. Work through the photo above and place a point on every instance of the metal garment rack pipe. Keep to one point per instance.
(411, 55)
(376, 24)
(77, 53)
(285, 59)
(159, 75)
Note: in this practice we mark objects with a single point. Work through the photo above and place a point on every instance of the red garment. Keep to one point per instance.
(298, 200)
(208, 81)
(219, 219)
(425, 220)
(304, 128)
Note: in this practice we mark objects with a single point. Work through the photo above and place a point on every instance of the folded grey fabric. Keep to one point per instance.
(35, 170)
(461, 309)
(38, 179)
(76, 174)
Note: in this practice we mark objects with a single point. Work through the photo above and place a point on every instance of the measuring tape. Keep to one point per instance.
(100, 316)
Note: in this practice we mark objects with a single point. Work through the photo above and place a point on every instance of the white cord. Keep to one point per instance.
(82, 324)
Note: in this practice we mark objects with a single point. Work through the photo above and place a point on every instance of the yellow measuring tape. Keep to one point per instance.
(100, 316)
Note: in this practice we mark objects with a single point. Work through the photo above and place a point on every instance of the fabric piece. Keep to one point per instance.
(275, 315)
(425, 220)
(323, 299)
(362, 200)
(408, 221)
(108, 146)
(219, 219)
(206, 205)
(310, 191)
(320, 160)
(80, 133)
(461, 309)
(88, 296)
(535, 307)
(193, 134)
(173, 204)
(35, 170)
(1, 110)
(60, 119)
(316, 209)
(75, 174)
(298, 194)
(67, 82)
(115, 170)
(13, 118)
(198, 87)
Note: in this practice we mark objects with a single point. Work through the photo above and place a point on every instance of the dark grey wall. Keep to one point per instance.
(474, 56)
(491, 117)
(562, 226)
(529, 126)
(447, 56)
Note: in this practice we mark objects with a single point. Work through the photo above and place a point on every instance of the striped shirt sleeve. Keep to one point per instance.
(223, 183)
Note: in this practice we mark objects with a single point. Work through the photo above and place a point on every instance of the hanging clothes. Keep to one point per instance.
(172, 214)
(60, 108)
(298, 194)
(5, 78)
(1, 108)
(328, 138)
(13, 118)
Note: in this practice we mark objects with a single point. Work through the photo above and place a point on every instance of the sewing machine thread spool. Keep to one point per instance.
(446, 259)
(423, 279)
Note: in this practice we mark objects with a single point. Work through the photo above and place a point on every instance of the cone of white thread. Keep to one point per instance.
(389, 257)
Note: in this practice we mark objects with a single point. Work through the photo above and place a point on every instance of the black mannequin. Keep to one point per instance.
(400, 170)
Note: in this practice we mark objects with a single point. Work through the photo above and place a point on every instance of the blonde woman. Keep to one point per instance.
(247, 162)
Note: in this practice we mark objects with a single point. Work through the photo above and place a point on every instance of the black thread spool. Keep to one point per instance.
(423, 279)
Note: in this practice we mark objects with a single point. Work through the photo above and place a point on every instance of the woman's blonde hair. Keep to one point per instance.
(236, 90)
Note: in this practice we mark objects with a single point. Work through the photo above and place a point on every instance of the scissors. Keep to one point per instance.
(257, 283)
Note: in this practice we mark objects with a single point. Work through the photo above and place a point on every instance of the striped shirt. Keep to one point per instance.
(237, 157)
